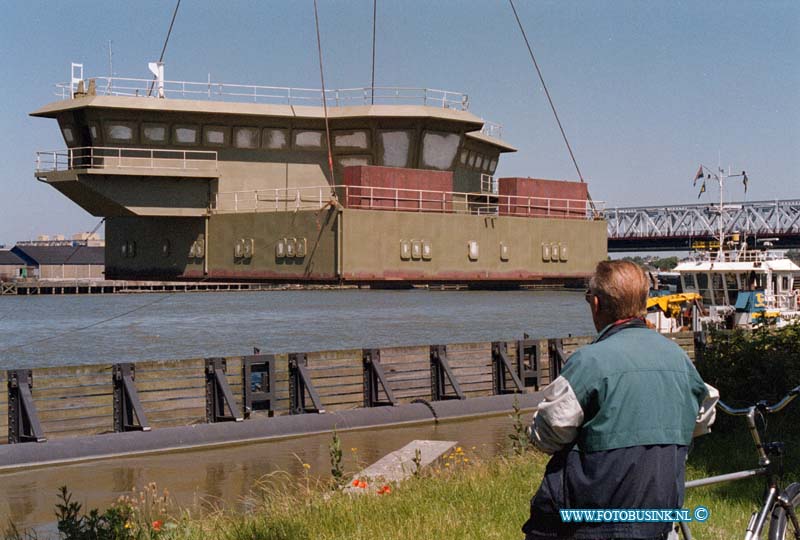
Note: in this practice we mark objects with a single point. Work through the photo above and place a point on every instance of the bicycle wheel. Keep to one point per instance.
(780, 527)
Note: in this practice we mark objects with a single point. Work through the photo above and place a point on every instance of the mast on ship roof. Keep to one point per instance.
(720, 176)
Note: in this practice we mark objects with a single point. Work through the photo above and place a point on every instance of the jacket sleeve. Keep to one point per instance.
(557, 419)
(707, 413)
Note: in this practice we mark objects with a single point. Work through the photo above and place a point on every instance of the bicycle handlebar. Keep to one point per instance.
(777, 407)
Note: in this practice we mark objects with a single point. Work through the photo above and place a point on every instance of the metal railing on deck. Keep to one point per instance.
(403, 200)
(123, 86)
(106, 157)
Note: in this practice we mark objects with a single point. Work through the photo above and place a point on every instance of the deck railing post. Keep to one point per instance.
(441, 375)
(555, 349)
(300, 384)
(501, 366)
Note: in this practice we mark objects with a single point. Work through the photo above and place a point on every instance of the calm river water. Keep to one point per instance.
(55, 330)
(38, 331)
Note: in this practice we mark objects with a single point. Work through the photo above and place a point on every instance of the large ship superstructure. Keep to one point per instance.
(232, 182)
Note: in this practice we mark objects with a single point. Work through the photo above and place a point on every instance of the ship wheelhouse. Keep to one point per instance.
(232, 182)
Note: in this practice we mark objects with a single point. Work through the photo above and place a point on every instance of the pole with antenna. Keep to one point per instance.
(324, 97)
(374, 17)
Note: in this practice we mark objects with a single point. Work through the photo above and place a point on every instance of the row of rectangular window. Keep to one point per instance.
(476, 160)
(438, 148)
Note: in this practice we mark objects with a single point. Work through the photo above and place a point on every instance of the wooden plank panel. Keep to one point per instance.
(70, 403)
(184, 416)
(343, 358)
(100, 424)
(82, 412)
(3, 408)
(145, 375)
(74, 433)
(164, 395)
(169, 384)
(91, 379)
(329, 401)
(175, 404)
(60, 372)
(47, 394)
(158, 365)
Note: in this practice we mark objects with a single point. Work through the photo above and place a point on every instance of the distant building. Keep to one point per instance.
(12, 266)
(63, 261)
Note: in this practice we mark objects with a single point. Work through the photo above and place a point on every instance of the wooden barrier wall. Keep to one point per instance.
(79, 400)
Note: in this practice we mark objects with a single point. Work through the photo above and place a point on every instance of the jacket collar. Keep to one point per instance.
(619, 326)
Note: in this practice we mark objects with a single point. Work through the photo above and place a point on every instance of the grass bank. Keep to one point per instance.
(466, 497)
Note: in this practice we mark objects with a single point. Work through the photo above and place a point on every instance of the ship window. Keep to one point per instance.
(463, 158)
(732, 286)
(352, 161)
(351, 139)
(472, 156)
(479, 162)
(185, 134)
(439, 149)
(784, 284)
(275, 139)
(154, 132)
(69, 136)
(307, 139)
(94, 132)
(718, 286)
(245, 137)
(394, 148)
(119, 132)
(492, 166)
(215, 135)
(702, 288)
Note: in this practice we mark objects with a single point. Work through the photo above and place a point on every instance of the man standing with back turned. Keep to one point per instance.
(619, 418)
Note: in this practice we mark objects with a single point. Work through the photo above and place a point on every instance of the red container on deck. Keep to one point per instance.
(394, 188)
(542, 198)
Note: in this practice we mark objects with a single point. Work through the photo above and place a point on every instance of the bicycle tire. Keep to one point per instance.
(779, 521)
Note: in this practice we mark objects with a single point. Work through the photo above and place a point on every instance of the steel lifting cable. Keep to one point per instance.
(550, 100)
(374, 17)
(164, 48)
(324, 101)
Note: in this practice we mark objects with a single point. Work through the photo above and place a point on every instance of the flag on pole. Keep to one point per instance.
(744, 179)
(702, 189)
(698, 176)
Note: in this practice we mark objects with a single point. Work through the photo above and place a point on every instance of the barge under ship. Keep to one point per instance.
(211, 181)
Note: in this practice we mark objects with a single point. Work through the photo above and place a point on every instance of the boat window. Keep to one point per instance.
(733, 287)
(718, 288)
(394, 148)
(94, 133)
(492, 166)
(352, 161)
(785, 287)
(215, 135)
(351, 139)
(69, 136)
(463, 158)
(310, 140)
(276, 139)
(154, 132)
(439, 149)
(185, 135)
(479, 162)
(702, 288)
(119, 132)
(688, 283)
(245, 137)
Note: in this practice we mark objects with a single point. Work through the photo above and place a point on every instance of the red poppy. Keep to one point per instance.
(157, 525)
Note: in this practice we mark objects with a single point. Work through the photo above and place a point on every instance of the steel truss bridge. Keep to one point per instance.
(690, 226)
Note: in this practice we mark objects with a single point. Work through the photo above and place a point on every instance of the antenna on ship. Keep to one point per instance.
(374, 18)
(720, 176)
(160, 64)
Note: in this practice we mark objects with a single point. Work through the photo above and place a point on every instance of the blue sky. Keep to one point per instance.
(646, 90)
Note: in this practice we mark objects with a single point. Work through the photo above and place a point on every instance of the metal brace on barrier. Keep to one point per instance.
(528, 362)
(555, 349)
(374, 379)
(258, 383)
(300, 384)
(128, 411)
(23, 420)
(218, 393)
(441, 374)
(501, 367)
